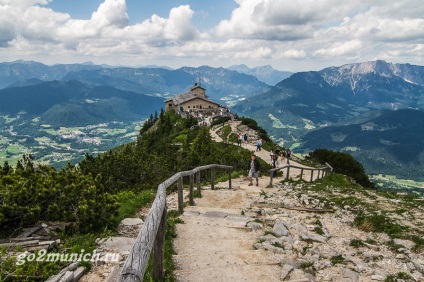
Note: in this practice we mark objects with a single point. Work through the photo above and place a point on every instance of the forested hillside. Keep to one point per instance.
(87, 194)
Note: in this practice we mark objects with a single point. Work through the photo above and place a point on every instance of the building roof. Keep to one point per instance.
(187, 96)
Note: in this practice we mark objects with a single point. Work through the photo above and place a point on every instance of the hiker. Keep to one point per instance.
(245, 138)
(253, 170)
(258, 146)
(275, 161)
(278, 151)
(272, 155)
(288, 154)
(239, 139)
(282, 159)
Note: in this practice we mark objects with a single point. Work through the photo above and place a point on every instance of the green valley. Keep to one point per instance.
(58, 145)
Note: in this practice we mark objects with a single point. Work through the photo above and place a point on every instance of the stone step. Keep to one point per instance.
(215, 259)
(199, 246)
(234, 273)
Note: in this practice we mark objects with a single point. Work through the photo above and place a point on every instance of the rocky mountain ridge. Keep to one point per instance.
(310, 101)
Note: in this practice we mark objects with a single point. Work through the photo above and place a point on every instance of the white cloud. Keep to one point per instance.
(301, 33)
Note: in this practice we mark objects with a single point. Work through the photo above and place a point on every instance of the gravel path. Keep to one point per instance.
(214, 243)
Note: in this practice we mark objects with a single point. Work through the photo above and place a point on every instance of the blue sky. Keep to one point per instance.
(207, 13)
(293, 35)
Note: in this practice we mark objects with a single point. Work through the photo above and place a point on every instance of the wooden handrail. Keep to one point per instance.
(302, 168)
(152, 234)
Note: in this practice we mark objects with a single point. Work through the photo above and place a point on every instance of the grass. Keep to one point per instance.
(400, 276)
(224, 177)
(263, 194)
(378, 223)
(306, 265)
(318, 230)
(39, 270)
(170, 235)
(337, 260)
(418, 240)
(278, 245)
(130, 203)
(269, 232)
(356, 243)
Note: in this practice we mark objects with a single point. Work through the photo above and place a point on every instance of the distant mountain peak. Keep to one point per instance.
(266, 73)
(355, 72)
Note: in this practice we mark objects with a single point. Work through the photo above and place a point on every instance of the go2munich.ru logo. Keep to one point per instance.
(43, 256)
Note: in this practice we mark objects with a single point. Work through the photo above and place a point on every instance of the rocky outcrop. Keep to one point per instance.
(326, 246)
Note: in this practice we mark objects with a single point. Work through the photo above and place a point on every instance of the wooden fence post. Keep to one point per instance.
(312, 175)
(180, 195)
(301, 174)
(159, 250)
(199, 193)
(213, 178)
(191, 189)
(288, 172)
(229, 179)
(270, 179)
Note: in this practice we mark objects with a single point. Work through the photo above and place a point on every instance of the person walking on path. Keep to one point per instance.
(239, 139)
(245, 138)
(272, 155)
(258, 145)
(253, 170)
(288, 153)
(274, 163)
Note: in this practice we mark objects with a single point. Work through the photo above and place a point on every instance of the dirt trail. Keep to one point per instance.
(264, 154)
(214, 243)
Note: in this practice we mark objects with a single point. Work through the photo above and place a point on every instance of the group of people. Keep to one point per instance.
(241, 139)
(278, 158)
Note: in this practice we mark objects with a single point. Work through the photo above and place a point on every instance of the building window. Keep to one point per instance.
(170, 105)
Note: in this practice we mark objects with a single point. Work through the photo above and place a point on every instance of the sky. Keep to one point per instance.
(290, 35)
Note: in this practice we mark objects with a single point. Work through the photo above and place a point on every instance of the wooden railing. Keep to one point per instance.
(152, 234)
(321, 171)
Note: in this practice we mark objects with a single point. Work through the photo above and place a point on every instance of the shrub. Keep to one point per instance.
(344, 164)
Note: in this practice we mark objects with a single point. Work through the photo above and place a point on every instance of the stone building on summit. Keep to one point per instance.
(195, 101)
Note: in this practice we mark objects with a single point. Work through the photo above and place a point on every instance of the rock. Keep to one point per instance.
(257, 246)
(130, 227)
(215, 214)
(363, 268)
(280, 229)
(377, 277)
(372, 247)
(255, 225)
(326, 233)
(191, 213)
(349, 275)
(287, 268)
(131, 221)
(118, 244)
(400, 256)
(418, 263)
(313, 237)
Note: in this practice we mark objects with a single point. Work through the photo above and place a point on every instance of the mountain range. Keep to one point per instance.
(266, 74)
(163, 82)
(360, 108)
(309, 110)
